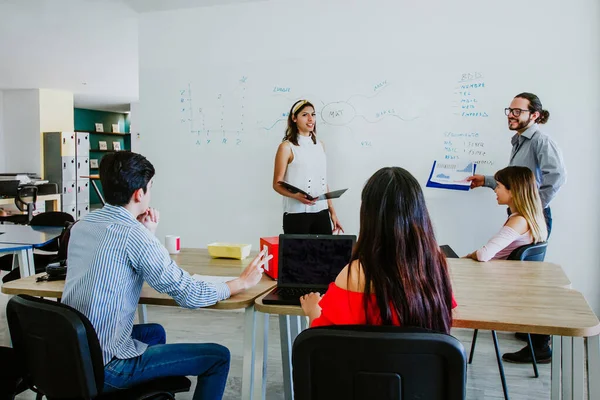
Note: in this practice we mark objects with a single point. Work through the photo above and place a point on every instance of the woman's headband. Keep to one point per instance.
(298, 106)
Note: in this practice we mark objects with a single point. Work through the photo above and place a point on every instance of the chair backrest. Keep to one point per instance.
(63, 241)
(378, 362)
(53, 218)
(529, 252)
(26, 198)
(58, 347)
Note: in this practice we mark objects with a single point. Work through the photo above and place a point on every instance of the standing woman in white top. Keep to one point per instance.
(300, 161)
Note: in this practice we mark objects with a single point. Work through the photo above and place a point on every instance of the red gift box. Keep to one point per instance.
(272, 244)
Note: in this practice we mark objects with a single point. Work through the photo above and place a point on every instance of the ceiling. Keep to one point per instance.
(87, 47)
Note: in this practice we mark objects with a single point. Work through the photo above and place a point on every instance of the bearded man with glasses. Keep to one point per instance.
(535, 150)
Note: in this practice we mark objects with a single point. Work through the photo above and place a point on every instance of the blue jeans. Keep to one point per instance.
(208, 361)
(548, 217)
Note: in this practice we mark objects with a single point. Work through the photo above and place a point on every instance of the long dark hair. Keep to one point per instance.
(402, 262)
(535, 104)
(291, 133)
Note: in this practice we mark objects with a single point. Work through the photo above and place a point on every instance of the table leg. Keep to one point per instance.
(98, 191)
(303, 323)
(555, 368)
(578, 365)
(21, 261)
(142, 314)
(567, 368)
(30, 262)
(260, 364)
(249, 353)
(593, 370)
(285, 328)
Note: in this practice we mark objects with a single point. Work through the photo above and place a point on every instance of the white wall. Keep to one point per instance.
(22, 131)
(28, 113)
(56, 111)
(88, 48)
(514, 47)
(2, 146)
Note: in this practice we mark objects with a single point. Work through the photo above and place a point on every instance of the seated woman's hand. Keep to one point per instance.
(310, 304)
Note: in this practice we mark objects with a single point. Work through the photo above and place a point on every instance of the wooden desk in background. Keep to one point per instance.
(52, 201)
(513, 296)
(194, 261)
(31, 237)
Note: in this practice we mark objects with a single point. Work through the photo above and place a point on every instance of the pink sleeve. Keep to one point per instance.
(503, 238)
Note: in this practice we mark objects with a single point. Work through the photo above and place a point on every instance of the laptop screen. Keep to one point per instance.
(312, 260)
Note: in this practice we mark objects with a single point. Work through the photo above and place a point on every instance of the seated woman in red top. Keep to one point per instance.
(397, 274)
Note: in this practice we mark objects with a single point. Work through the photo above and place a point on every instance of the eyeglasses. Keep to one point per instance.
(514, 111)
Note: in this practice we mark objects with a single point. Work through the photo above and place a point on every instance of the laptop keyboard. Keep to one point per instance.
(296, 292)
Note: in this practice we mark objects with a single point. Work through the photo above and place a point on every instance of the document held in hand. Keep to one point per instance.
(451, 176)
(329, 195)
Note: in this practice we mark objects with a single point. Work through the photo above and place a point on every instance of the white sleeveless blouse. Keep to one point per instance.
(307, 171)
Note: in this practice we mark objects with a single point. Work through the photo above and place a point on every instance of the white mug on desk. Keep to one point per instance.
(173, 244)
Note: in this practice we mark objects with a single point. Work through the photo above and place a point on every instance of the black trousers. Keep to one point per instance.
(541, 342)
(307, 223)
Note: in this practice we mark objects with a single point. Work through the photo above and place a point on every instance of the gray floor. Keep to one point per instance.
(226, 328)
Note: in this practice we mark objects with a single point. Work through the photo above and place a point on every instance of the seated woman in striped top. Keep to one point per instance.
(516, 188)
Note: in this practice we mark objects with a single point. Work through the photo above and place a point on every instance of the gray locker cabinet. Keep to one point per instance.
(82, 210)
(83, 144)
(83, 191)
(66, 159)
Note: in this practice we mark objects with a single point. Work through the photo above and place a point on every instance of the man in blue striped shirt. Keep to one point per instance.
(111, 253)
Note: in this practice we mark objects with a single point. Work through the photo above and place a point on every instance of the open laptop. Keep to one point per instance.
(308, 263)
(447, 250)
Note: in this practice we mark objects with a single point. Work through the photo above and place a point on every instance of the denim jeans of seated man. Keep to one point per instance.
(208, 361)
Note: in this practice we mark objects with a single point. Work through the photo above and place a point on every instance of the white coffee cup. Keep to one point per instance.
(173, 244)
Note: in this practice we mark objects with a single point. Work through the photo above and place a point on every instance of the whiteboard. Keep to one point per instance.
(390, 81)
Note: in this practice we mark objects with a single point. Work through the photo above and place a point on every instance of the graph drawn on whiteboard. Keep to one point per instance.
(219, 119)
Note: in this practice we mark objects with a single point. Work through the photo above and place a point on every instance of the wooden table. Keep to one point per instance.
(501, 272)
(194, 261)
(52, 201)
(498, 295)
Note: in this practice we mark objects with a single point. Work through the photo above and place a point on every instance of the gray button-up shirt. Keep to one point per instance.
(536, 151)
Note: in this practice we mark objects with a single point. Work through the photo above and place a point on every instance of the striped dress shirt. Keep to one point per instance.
(110, 255)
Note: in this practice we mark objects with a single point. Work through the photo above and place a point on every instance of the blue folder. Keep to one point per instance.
(443, 185)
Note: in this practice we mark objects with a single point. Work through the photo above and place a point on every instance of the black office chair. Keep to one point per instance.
(25, 201)
(61, 356)
(377, 362)
(51, 218)
(10, 378)
(530, 252)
